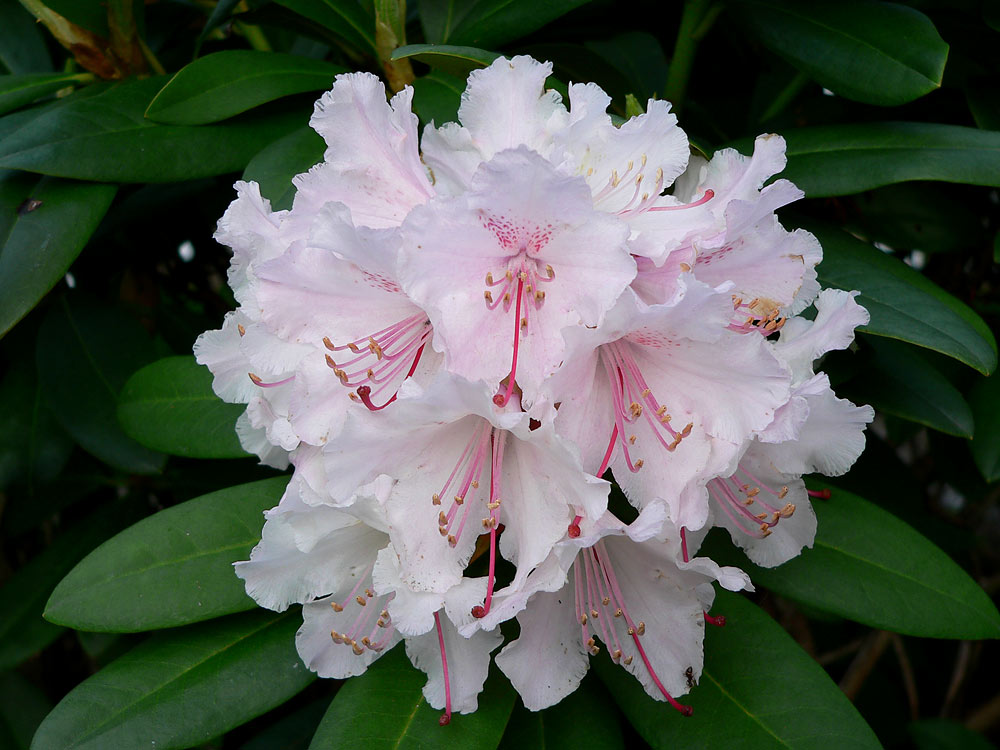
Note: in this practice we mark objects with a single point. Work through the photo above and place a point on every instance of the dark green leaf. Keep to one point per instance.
(437, 96)
(293, 732)
(984, 103)
(44, 224)
(872, 52)
(182, 687)
(904, 304)
(456, 61)
(843, 159)
(85, 354)
(638, 56)
(900, 382)
(909, 585)
(274, 166)
(585, 718)
(22, 48)
(105, 137)
(439, 17)
(750, 696)
(18, 90)
(33, 448)
(985, 401)
(173, 568)
(348, 19)
(22, 629)
(220, 13)
(390, 690)
(945, 734)
(90, 14)
(493, 23)
(22, 708)
(169, 406)
(218, 86)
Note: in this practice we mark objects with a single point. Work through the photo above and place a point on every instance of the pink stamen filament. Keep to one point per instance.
(608, 452)
(258, 382)
(719, 622)
(496, 466)
(499, 400)
(446, 716)
(709, 194)
(684, 544)
(823, 494)
(364, 391)
(574, 527)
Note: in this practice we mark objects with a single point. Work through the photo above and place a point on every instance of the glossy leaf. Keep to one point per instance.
(390, 690)
(843, 159)
(44, 224)
(638, 56)
(585, 718)
(492, 23)
(348, 19)
(22, 708)
(227, 83)
(910, 585)
(169, 406)
(22, 48)
(904, 304)
(90, 14)
(18, 90)
(274, 166)
(105, 137)
(872, 52)
(437, 96)
(985, 401)
(899, 381)
(173, 568)
(984, 103)
(747, 697)
(946, 734)
(448, 58)
(291, 732)
(22, 598)
(182, 687)
(101, 347)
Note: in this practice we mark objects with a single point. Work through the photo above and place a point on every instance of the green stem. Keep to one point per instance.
(785, 96)
(154, 64)
(693, 18)
(254, 36)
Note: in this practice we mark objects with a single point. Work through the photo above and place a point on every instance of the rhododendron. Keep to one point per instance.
(453, 340)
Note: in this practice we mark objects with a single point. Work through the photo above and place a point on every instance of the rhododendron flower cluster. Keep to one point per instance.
(458, 340)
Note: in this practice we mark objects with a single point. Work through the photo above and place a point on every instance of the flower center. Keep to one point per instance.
(756, 315)
(372, 628)
(745, 500)
(599, 600)
(382, 361)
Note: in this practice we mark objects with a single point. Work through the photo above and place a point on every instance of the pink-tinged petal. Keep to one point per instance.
(372, 164)
(254, 440)
(468, 664)
(451, 156)
(802, 341)
(548, 660)
(412, 612)
(220, 351)
(506, 105)
(627, 167)
(659, 285)
(524, 255)
(286, 567)
(769, 266)
(337, 659)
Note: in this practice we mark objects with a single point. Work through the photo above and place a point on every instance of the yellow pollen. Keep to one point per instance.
(614, 178)
(630, 165)
(631, 630)
(509, 276)
(661, 411)
(353, 396)
(638, 180)
(489, 278)
(522, 276)
(645, 392)
(685, 267)
(356, 648)
(243, 331)
(787, 511)
(644, 161)
(488, 296)
(638, 464)
(765, 530)
(336, 607)
(451, 540)
(617, 654)
(636, 409)
(524, 322)
(761, 516)
(659, 173)
(443, 530)
(255, 379)
(494, 505)
(606, 601)
(753, 492)
(506, 296)
(436, 499)
(627, 660)
(641, 629)
(340, 374)
(459, 499)
(369, 593)
(550, 272)
(442, 519)
(360, 600)
(594, 613)
(539, 296)
(618, 612)
(354, 348)
(370, 373)
(475, 484)
(631, 440)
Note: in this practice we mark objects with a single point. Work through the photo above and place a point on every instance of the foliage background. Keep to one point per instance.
(112, 176)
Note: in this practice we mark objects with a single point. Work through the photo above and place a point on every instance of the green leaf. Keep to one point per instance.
(90, 14)
(390, 690)
(169, 406)
(437, 96)
(274, 166)
(448, 58)
(985, 401)
(909, 585)
(44, 224)
(872, 52)
(899, 381)
(903, 303)
(18, 90)
(183, 687)
(350, 20)
(33, 448)
(224, 84)
(22, 708)
(831, 160)
(105, 137)
(984, 103)
(638, 56)
(22, 48)
(946, 734)
(493, 23)
(750, 695)
(585, 718)
(84, 356)
(22, 598)
(173, 568)
(292, 732)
